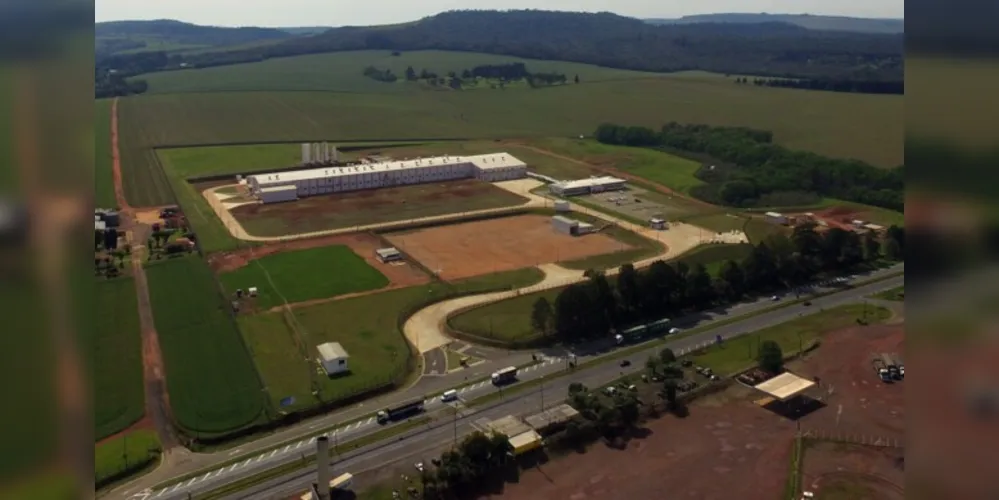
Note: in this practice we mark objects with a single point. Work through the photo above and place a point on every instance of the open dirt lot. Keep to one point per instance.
(363, 244)
(715, 452)
(372, 206)
(839, 471)
(495, 245)
(858, 403)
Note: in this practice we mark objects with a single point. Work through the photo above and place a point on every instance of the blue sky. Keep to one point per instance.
(367, 12)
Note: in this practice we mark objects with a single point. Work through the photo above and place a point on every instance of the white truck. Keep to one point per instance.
(881, 369)
(341, 483)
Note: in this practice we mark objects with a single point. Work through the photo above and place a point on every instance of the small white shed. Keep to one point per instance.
(333, 357)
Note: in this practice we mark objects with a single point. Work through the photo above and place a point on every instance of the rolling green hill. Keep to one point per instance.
(812, 22)
(342, 72)
(124, 37)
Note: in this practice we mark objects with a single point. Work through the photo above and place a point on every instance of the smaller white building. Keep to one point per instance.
(587, 186)
(388, 254)
(333, 358)
(657, 223)
(857, 223)
(277, 194)
(776, 217)
(584, 228)
(564, 225)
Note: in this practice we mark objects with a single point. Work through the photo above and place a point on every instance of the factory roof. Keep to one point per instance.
(552, 416)
(525, 442)
(485, 162)
(509, 426)
(785, 386)
(277, 189)
(332, 350)
(592, 181)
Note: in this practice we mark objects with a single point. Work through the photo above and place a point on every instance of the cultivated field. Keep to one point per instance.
(362, 244)
(501, 244)
(302, 275)
(117, 357)
(374, 206)
(103, 181)
(212, 385)
(342, 72)
(851, 125)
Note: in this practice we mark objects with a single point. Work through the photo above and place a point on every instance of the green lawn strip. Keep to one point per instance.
(739, 353)
(125, 455)
(213, 386)
(212, 234)
(119, 396)
(896, 294)
(103, 161)
(302, 275)
(792, 487)
(352, 444)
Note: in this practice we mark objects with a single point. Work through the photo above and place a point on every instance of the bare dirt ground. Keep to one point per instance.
(713, 453)
(372, 206)
(840, 471)
(363, 244)
(495, 245)
(858, 403)
(840, 217)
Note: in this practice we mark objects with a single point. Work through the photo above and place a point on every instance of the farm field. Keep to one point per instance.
(126, 454)
(119, 399)
(740, 353)
(867, 127)
(342, 72)
(501, 244)
(218, 160)
(103, 181)
(212, 384)
(284, 344)
(301, 275)
(373, 206)
(661, 168)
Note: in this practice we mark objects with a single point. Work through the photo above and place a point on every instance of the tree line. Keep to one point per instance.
(758, 169)
(593, 308)
(856, 86)
(381, 75)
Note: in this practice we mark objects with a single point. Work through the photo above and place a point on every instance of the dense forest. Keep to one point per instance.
(593, 308)
(859, 86)
(826, 23)
(111, 37)
(500, 73)
(778, 50)
(753, 171)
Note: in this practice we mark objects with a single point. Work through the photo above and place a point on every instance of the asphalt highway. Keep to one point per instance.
(439, 433)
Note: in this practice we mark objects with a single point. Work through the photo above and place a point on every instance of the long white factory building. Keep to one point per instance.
(286, 186)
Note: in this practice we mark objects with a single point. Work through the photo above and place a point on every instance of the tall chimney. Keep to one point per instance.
(323, 467)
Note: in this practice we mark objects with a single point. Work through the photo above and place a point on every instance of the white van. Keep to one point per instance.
(448, 396)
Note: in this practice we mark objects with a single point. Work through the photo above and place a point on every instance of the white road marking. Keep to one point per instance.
(206, 476)
(286, 448)
(233, 452)
(233, 467)
(312, 439)
(160, 493)
(275, 452)
(300, 444)
(175, 487)
(246, 463)
(261, 457)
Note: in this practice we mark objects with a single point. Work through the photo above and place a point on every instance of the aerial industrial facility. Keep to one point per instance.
(287, 186)
(587, 186)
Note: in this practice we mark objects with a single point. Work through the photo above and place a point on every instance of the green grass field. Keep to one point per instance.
(125, 454)
(715, 256)
(118, 391)
(103, 180)
(836, 124)
(897, 294)
(740, 353)
(210, 377)
(301, 275)
(284, 344)
(342, 72)
(661, 168)
(212, 233)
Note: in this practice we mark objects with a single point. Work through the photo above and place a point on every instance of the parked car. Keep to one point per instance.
(808, 303)
(674, 331)
(625, 362)
(775, 298)
(419, 466)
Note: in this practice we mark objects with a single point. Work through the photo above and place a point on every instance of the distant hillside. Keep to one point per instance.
(830, 23)
(769, 49)
(305, 30)
(168, 35)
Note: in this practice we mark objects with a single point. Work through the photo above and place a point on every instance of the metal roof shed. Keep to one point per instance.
(785, 386)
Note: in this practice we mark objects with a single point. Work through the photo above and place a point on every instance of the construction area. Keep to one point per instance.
(839, 217)
(854, 443)
(494, 245)
(372, 206)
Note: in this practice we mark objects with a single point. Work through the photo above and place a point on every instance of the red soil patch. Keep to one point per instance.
(145, 423)
(841, 217)
(495, 245)
(859, 405)
(716, 452)
(363, 244)
(875, 473)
